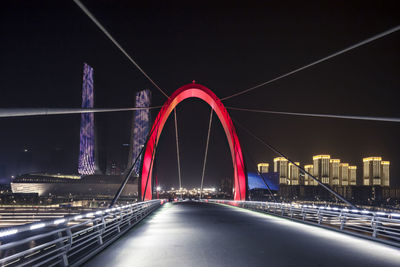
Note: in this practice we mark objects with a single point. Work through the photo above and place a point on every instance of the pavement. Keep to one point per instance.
(205, 234)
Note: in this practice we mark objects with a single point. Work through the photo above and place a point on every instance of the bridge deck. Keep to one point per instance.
(199, 234)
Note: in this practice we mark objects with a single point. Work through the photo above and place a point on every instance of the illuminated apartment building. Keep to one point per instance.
(293, 174)
(344, 174)
(281, 166)
(263, 167)
(385, 173)
(352, 175)
(334, 171)
(307, 178)
(372, 171)
(321, 168)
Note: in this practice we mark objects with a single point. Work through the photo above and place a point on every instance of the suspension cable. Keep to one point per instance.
(122, 186)
(298, 166)
(177, 150)
(131, 169)
(350, 117)
(98, 24)
(205, 154)
(24, 112)
(366, 41)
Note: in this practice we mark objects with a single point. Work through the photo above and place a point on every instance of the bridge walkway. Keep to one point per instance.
(201, 234)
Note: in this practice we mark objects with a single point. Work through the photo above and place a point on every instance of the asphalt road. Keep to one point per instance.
(200, 234)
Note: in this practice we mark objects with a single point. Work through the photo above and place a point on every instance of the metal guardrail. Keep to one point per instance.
(380, 226)
(69, 241)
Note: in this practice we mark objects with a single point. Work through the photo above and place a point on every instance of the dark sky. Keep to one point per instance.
(226, 46)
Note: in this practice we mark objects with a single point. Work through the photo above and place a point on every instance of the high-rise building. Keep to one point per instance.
(334, 171)
(352, 175)
(385, 173)
(293, 174)
(372, 171)
(281, 166)
(307, 178)
(344, 174)
(87, 145)
(321, 168)
(263, 167)
(140, 128)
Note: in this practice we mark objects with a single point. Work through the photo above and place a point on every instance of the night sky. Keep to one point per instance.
(226, 46)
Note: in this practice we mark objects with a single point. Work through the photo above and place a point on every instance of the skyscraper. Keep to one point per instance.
(281, 166)
(86, 146)
(344, 174)
(293, 174)
(372, 171)
(385, 173)
(334, 171)
(307, 178)
(263, 167)
(352, 175)
(140, 128)
(321, 168)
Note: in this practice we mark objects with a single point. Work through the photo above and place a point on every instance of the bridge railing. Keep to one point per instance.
(382, 226)
(69, 241)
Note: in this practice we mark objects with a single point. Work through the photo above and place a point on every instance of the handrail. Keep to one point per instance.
(70, 240)
(377, 225)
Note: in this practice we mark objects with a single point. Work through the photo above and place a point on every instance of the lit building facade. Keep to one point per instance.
(307, 178)
(293, 173)
(352, 175)
(86, 147)
(321, 168)
(372, 171)
(281, 166)
(263, 167)
(385, 173)
(344, 174)
(91, 186)
(140, 128)
(334, 171)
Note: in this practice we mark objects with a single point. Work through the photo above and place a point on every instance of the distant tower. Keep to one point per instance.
(334, 171)
(344, 174)
(293, 174)
(86, 148)
(281, 166)
(140, 128)
(263, 167)
(352, 175)
(385, 173)
(321, 168)
(307, 178)
(372, 171)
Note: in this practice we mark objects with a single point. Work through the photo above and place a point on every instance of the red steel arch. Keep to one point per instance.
(202, 92)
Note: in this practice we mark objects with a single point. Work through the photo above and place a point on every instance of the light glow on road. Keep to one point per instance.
(59, 221)
(8, 232)
(37, 226)
(358, 245)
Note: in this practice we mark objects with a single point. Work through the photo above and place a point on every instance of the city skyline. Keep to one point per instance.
(251, 125)
(270, 43)
(331, 171)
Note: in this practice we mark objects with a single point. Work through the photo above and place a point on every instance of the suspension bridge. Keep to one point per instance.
(206, 232)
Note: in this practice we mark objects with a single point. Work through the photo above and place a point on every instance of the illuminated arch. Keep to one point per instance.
(202, 92)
